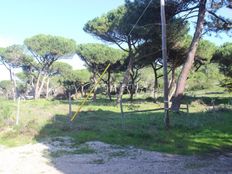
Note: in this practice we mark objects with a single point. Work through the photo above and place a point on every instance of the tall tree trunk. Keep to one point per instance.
(127, 88)
(41, 86)
(76, 89)
(47, 88)
(190, 57)
(82, 90)
(109, 85)
(137, 89)
(36, 87)
(13, 81)
(126, 78)
(15, 86)
(131, 93)
(131, 88)
(134, 75)
(95, 87)
(155, 86)
(115, 88)
(30, 86)
(172, 84)
(164, 56)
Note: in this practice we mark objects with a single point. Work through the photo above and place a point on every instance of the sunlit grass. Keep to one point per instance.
(200, 131)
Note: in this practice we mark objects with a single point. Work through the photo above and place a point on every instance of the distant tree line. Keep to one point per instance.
(136, 64)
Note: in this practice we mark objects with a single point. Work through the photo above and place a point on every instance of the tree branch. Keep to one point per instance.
(114, 41)
(218, 17)
(188, 9)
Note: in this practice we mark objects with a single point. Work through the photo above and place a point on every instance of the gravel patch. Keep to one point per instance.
(98, 158)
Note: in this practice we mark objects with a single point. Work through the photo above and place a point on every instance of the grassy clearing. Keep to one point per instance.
(201, 131)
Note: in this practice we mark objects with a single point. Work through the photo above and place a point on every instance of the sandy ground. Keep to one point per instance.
(61, 156)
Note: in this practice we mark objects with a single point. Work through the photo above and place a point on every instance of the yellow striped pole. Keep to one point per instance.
(86, 98)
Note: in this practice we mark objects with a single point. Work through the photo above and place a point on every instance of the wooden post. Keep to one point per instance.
(164, 56)
(18, 110)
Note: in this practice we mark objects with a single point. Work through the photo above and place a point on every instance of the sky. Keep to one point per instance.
(21, 19)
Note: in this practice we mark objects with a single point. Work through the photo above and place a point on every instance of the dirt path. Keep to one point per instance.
(62, 156)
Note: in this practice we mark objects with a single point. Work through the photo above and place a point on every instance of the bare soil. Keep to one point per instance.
(62, 156)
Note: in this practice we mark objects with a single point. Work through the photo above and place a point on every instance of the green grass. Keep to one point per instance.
(199, 132)
(190, 134)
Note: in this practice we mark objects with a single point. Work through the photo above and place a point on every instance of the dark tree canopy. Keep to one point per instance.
(46, 48)
(12, 55)
(60, 68)
(97, 56)
(223, 56)
(116, 26)
(47, 44)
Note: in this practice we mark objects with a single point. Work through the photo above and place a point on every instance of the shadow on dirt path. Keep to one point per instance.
(61, 155)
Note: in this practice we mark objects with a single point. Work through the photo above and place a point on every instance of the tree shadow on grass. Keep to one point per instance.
(209, 100)
(193, 133)
(187, 99)
(98, 102)
(203, 133)
(206, 100)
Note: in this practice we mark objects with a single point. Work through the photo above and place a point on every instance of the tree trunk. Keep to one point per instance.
(136, 89)
(171, 91)
(75, 88)
(109, 85)
(164, 56)
(131, 93)
(134, 75)
(39, 86)
(128, 90)
(125, 79)
(172, 84)
(115, 88)
(13, 84)
(155, 87)
(36, 87)
(13, 81)
(190, 58)
(131, 88)
(47, 88)
(82, 91)
(95, 87)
